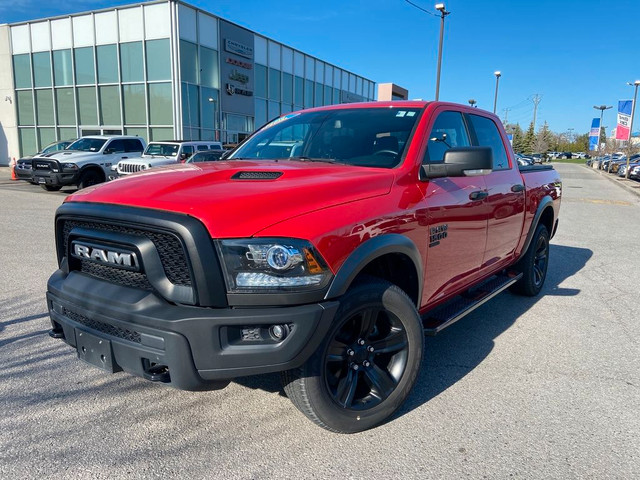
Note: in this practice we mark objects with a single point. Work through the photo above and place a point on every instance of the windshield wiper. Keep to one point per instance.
(311, 159)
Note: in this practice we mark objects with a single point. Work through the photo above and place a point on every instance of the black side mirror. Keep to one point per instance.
(460, 162)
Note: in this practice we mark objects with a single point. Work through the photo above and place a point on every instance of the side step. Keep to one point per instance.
(449, 313)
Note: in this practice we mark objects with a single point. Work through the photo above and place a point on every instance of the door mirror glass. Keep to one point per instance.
(461, 162)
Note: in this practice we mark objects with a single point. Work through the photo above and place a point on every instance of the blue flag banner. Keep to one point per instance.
(594, 134)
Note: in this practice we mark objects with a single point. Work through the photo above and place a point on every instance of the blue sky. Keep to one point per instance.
(573, 53)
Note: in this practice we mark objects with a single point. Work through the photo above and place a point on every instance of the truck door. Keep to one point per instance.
(506, 200)
(114, 151)
(456, 214)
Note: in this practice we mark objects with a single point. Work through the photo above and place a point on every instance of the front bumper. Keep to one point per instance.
(55, 179)
(196, 348)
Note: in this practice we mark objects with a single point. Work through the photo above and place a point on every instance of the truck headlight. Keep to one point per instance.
(272, 264)
(70, 166)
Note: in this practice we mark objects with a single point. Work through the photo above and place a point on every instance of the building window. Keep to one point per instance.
(308, 94)
(42, 69)
(190, 105)
(274, 110)
(45, 137)
(317, 102)
(65, 106)
(299, 90)
(189, 62)
(160, 104)
(134, 105)
(209, 76)
(62, 68)
(107, 64)
(209, 108)
(67, 133)
(109, 105)
(22, 71)
(84, 65)
(27, 139)
(44, 107)
(261, 112)
(25, 107)
(287, 88)
(131, 62)
(160, 133)
(158, 60)
(87, 110)
(260, 81)
(274, 84)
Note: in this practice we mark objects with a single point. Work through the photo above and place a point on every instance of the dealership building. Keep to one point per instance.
(160, 70)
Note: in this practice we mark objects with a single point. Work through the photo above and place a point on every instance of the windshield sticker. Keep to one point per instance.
(410, 114)
(282, 119)
(401, 113)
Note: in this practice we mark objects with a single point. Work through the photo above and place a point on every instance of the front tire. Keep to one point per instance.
(533, 265)
(366, 366)
(89, 178)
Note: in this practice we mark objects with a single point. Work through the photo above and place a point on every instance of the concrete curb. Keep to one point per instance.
(629, 185)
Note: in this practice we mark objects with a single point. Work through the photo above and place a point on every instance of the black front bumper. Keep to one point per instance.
(44, 177)
(194, 348)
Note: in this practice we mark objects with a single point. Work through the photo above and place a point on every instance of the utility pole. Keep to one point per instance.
(570, 130)
(506, 115)
(635, 84)
(443, 13)
(536, 100)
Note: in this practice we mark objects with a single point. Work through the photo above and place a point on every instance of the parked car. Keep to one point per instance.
(622, 170)
(165, 153)
(23, 165)
(634, 172)
(85, 162)
(206, 156)
(329, 265)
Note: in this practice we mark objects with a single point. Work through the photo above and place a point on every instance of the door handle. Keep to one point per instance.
(124, 158)
(518, 187)
(478, 195)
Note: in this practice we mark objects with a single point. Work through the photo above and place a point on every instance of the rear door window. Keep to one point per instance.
(488, 135)
(116, 146)
(448, 131)
(187, 151)
(133, 145)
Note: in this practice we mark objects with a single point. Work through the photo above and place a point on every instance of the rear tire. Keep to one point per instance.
(89, 178)
(533, 265)
(51, 188)
(367, 364)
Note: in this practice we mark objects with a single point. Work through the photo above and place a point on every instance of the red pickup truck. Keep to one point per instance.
(324, 247)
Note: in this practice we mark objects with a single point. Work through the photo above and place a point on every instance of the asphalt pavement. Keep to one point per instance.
(525, 388)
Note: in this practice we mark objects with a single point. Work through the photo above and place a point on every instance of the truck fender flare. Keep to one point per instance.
(369, 251)
(544, 203)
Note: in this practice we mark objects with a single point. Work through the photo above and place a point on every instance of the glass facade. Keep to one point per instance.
(125, 81)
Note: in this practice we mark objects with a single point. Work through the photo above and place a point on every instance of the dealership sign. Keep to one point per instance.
(238, 48)
(594, 134)
(623, 127)
(233, 90)
(239, 63)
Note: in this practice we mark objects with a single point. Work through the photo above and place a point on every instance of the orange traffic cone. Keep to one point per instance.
(12, 166)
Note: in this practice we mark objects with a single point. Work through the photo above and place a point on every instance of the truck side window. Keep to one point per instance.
(116, 146)
(132, 145)
(187, 151)
(448, 131)
(488, 135)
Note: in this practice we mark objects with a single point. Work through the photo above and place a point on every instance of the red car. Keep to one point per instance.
(324, 247)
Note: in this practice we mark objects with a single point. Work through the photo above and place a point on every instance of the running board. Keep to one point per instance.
(449, 313)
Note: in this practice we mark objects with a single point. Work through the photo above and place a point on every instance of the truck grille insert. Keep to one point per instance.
(112, 330)
(130, 167)
(169, 247)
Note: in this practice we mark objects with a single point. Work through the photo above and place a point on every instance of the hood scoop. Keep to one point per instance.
(256, 175)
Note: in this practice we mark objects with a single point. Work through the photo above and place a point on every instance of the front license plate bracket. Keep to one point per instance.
(96, 351)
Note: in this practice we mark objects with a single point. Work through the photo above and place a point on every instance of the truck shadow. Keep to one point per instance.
(456, 351)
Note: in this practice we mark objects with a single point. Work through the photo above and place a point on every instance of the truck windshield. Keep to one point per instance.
(163, 149)
(369, 137)
(87, 144)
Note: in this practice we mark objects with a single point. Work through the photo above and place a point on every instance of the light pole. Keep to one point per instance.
(495, 98)
(443, 13)
(602, 108)
(472, 102)
(633, 109)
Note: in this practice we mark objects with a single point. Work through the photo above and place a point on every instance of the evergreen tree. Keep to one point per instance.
(518, 138)
(529, 139)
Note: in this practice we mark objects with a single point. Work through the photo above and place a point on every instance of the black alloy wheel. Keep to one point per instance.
(366, 365)
(366, 358)
(533, 264)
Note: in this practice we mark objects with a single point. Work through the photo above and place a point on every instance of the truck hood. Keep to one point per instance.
(239, 198)
(70, 155)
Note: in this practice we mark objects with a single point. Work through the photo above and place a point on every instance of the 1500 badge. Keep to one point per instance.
(436, 234)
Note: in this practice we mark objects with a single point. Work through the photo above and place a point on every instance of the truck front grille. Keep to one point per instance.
(129, 167)
(168, 246)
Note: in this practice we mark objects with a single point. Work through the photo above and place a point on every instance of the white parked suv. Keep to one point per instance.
(164, 153)
(85, 162)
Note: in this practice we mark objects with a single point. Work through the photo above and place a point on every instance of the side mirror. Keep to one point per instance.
(108, 151)
(460, 162)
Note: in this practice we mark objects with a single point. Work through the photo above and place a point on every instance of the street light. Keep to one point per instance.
(472, 102)
(495, 98)
(443, 13)
(602, 108)
(633, 109)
